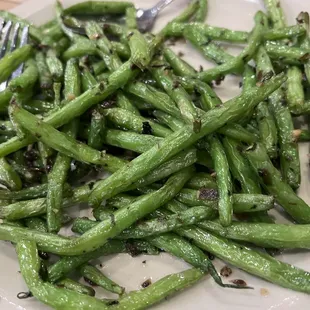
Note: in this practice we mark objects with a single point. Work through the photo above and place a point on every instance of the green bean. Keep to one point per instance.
(98, 7)
(252, 203)
(56, 180)
(72, 80)
(240, 168)
(179, 66)
(221, 34)
(156, 98)
(8, 177)
(123, 102)
(303, 20)
(91, 273)
(130, 140)
(249, 79)
(284, 33)
(34, 31)
(47, 293)
(271, 180)
(69, 263)
(201, 13)
(45, 77)
(185, 16)
(106, 229)
(254, 262)
(278, 236)
(289, 157)
(140, 49)
(75, 287)
(131, 18)
(201, 180)
(65, 144)
(159, 290)
(27, 79)
(267, 129)
(57, 94)
(223, 177)
(276, 51)
(11, 61)
(181, 139)
(275, 13)
(174, 29)
(187, 108)
(54, 65)
(301, 135)
(79, 50)
(130, 121)
(295, 93)
(241, 202)
(167, 223)
(97, 130)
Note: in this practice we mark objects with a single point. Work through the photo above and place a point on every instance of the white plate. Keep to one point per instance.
(131, 272)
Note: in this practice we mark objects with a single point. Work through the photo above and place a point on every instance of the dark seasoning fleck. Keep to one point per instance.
(226, 271)
(207, 193)
(146, 283)
(146, 128)
(239, 282)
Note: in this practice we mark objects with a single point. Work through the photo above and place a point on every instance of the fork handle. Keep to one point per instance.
(160, 5)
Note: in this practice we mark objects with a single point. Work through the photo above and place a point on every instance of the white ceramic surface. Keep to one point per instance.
(131, 272)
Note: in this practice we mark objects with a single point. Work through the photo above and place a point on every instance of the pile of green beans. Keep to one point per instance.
(126, 126)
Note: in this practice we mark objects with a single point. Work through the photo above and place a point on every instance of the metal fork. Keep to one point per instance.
(5, 29)
(146, 18)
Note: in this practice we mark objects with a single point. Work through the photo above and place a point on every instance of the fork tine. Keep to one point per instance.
(5, 39)
(14, 37)
(23, 41)
(6, 34)
(1, 24)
